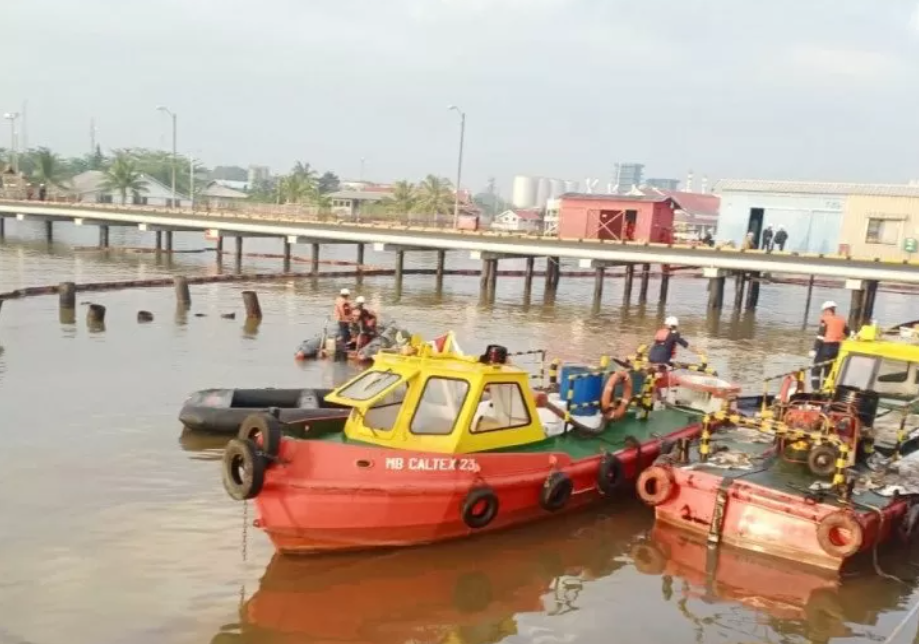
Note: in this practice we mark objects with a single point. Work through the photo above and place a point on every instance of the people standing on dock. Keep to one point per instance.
(366, 322)
(768, 234)
(781, 237)
(664, 348)
(832, 331)
(343, 315)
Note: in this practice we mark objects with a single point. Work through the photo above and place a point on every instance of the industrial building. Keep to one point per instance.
(864, 220)
(627, 176)
(663, 184)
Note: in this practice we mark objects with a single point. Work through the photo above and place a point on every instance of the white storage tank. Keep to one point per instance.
(572, 186)
(542, 192)
(524, 191)
(556, 188)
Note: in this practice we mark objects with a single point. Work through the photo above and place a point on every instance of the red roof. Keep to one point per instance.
(694, 203)
(530, 215)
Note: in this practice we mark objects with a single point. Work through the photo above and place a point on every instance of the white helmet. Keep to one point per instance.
(344, 292)
(828, 305)
(360, 299)
(671, 321)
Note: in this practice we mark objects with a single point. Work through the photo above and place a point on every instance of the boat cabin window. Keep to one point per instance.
(439, 407)
(858, 371)
(885, 376)
(502, 406)
(369, 385)
(382, 416)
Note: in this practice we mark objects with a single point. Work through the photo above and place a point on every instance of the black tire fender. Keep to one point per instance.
(472, 516)
(610, 474)
(243, 469)
(264, 430)
(556, 491)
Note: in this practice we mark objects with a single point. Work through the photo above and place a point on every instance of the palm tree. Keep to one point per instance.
(123, 177)
(295, 188)
(48, 168)
(403, 198)
(435, 196)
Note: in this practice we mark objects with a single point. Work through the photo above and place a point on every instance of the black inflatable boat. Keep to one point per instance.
(222, 411)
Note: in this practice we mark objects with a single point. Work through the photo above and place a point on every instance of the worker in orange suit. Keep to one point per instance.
(342, 315)
(832, 331)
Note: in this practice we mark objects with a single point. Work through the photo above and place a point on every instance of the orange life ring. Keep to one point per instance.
(655, 485)
(606, 399)
(840, 534)
(788, 383)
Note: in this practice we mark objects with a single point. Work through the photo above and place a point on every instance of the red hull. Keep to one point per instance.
(770, 521)
(325, 496)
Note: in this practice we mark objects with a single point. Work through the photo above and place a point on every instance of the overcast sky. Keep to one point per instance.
(799, 89)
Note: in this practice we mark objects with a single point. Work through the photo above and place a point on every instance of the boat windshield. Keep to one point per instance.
(369, 385)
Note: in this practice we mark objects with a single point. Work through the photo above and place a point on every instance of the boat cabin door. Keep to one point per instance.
(755, 224)
(376, 398)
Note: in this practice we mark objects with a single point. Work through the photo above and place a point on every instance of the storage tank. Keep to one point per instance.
(556, 188)
(542, 192)
(524, 191)
(572, 186)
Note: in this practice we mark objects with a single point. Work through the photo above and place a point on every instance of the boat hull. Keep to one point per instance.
(767, 520)
(323, 496)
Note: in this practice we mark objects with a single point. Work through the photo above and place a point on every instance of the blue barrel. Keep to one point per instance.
(586, 390)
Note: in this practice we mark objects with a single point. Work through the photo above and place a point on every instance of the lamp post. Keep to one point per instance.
(14, 157)
(459, 164)
(175, 156)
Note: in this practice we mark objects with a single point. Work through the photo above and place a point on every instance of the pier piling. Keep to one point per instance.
(253, 308)
(239, 249)
(103, 236)
(441, 262)
(287, 254)
(400, 268)
(627, 285)
(67, 295)
(314, 259)
(183, 295)
(483, 278)
(753, 291)
(360, 256)
(528, 276)
(2, 227)
(49, 231)
(716, 279)
(95, 316)
(159, 241)
(599, 276)
(810, 296)
(740, 281)
(492, 279)
(665, 284)
(144, 316)
(168, 241)
(643, 284)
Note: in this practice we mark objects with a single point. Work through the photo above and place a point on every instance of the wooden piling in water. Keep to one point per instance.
(2, 227)
(810, 295)
(528, 276)
(253, 308)
(49, 231)
(183, 295)
(627, 285)
(740, 281)
(95, 315)
(441, 263)
(400, 268)
(67, 295)
(168, 241)
(286, 255)
(360, 256)
(598, 285)
(643, 285)
(483, 278)
(314, 259)
(159, 240)
(144, 316)
(492, 279)
(665, 284)
(716, 293)
(239, 249)
(103, 236)
(753, 291)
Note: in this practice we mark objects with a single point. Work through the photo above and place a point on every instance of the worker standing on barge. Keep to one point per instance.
(663, 350)
(832, 331)
(343, 316)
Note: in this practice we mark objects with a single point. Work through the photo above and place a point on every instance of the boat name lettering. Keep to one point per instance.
(433, 464)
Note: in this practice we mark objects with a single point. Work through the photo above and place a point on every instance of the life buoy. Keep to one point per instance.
(480, 507)
(606, 399)
(840, 534)
(264, 430)
(243, 470)
(610, 474)
(789, 388)
(655, 485)
(556, 491)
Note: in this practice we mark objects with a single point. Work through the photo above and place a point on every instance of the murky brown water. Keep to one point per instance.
(115, 527)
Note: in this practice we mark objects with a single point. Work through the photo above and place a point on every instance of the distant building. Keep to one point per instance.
(88, 187)
(627, 176)
(663, 184)
(861, 219)
(217, 195)
(617, 217)
(519, 220)
(696, 214)
(258, 174)
(243, 186)
(348, 204)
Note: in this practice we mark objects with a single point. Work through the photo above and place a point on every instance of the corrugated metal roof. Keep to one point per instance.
(816, 188)
(599, 196)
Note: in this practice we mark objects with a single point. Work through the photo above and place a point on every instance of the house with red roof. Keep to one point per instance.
(518, 220)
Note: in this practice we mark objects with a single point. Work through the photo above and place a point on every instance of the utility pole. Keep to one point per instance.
(14, 157)
(459, 165)
(175, 155)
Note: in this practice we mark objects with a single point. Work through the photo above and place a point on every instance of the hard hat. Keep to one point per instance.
(671, 321)
(828, 305)
(360, 299)
(344, 291)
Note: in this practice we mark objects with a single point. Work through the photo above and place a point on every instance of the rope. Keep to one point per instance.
(899, 629)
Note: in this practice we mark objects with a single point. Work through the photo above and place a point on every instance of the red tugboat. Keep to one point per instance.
(756, 483)
(439, 446)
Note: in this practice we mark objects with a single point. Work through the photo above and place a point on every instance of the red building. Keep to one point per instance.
(617, 217)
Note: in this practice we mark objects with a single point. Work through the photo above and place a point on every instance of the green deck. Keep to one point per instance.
(576, 444)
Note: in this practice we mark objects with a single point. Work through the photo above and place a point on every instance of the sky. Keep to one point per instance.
(785, 89)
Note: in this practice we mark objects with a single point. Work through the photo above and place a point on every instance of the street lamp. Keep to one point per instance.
(14, 158)
(175, 156)
(459, 165)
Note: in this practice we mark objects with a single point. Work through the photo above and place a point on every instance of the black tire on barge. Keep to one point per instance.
(243, 470)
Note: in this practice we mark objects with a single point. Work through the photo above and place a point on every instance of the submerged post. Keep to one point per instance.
(159, 240)
(183, 295)
(528, 276)
(643, 285)
(286, 254)
(810, 295)
(95, 316)
(49, 231)
(441, 262)
(314, 259)
(239, 249)
(599, 276)
(400, 267)
(627, 285)
(492, 279)
(253, 308)
(2, 227)
(740, 280)
(753, 291)
(67, 295)
(103, 236)
(716, 287)
(665, 283)
(360, 256)
(168, 241)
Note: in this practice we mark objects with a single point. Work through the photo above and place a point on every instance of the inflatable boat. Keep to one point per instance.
(221, 411)
(326, 345)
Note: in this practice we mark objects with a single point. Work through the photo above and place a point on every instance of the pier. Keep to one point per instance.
(862, 276)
